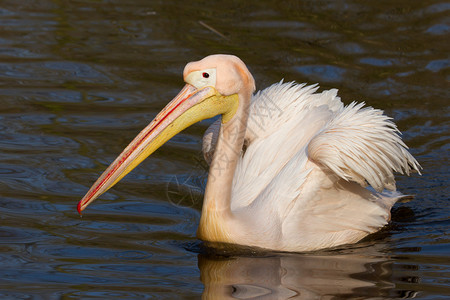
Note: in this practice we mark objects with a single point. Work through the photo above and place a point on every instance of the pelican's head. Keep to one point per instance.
(226, 73)
(215, 85)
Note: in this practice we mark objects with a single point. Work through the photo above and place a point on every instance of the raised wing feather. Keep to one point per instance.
(362, 145)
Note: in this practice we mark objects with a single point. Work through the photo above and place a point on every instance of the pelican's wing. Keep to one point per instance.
(283, 119)
(306, 161)
(362, 145)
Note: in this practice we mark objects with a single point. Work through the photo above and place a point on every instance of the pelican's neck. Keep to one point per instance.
(217, 202)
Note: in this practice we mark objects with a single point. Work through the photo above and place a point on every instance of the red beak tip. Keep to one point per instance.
(79, 209)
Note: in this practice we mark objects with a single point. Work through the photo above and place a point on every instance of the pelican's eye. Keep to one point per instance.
(202, 78)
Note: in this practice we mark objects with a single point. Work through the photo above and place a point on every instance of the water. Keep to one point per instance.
(79, 79)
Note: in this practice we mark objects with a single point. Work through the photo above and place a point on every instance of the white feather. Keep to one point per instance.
(307, 162)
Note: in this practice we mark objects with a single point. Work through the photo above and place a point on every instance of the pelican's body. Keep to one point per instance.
(288, 166)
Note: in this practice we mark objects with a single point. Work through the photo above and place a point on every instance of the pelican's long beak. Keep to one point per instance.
(191, 105)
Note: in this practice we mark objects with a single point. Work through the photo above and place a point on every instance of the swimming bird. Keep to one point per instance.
(289, 166)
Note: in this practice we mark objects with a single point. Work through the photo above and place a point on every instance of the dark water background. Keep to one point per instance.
(79, 79)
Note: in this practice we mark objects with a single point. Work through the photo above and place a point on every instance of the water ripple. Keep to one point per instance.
(56, 72)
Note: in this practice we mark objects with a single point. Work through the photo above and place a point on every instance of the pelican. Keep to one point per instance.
(289, 167)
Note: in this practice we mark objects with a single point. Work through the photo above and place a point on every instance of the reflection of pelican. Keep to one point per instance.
(288, 165)
(296, 276)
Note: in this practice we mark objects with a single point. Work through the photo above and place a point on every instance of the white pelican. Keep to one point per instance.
(288, 166)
